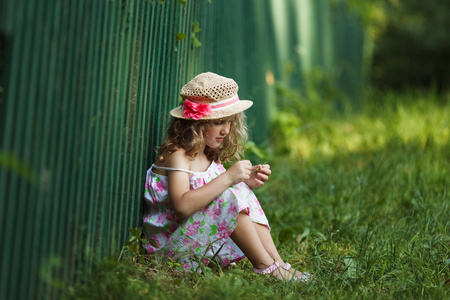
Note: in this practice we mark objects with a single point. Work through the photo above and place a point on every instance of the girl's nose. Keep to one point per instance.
(226, 128)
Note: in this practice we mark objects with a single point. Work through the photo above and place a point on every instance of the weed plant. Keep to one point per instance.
(361, 200)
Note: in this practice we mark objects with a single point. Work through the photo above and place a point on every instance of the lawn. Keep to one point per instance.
(359, 199)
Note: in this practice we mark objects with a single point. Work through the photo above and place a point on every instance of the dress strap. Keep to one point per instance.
(172, 169)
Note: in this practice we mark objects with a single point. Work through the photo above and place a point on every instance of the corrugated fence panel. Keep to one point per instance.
(86, 90)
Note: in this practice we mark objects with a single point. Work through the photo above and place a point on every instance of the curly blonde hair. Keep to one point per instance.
(188, 135)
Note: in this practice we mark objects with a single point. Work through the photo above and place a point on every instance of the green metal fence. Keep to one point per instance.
(85, 90)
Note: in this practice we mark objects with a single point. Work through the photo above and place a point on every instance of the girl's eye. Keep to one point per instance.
(219, 122)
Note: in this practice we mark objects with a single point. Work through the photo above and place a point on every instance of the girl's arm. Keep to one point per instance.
(185, 201)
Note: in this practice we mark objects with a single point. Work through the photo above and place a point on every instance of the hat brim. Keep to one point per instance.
(240, 106)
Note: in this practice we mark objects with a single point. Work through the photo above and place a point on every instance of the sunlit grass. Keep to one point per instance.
(361, 200)
(412, 117)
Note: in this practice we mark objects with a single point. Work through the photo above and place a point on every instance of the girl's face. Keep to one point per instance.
(216, 132)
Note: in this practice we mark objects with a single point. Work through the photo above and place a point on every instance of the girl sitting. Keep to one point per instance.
(197, 211)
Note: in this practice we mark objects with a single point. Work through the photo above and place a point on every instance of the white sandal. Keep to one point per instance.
(267, 270)
(304, 277)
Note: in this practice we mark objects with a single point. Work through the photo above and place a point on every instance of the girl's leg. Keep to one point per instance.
(257, 244)
(269, 246)
(246, 237)
(267, 242)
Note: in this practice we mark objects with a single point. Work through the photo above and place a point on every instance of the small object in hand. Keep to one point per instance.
(258, 168)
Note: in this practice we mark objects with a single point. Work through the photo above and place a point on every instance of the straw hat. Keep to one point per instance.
(209, 96)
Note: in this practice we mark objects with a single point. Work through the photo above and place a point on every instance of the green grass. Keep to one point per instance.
(360, 200)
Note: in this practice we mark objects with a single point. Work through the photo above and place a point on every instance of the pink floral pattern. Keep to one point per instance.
(204, 235)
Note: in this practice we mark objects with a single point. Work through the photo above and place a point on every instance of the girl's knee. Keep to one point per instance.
(244, 212)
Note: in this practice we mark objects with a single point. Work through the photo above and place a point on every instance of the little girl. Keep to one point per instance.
(197, 211)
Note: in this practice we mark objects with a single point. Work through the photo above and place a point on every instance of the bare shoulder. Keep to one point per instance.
(178, 160)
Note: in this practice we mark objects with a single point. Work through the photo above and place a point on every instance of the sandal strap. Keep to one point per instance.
(267, 270)
(286, 266)
(305, 277)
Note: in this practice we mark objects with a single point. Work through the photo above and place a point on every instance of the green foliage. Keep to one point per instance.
(410, 38)
(195, 29)
(110, 279)
(134, 245)
(415, 116)
(414, 47)
(17, 166)
(255, 154)
(180, 36)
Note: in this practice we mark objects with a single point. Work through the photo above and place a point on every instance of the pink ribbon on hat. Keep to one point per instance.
(196, 111)
(224, 103)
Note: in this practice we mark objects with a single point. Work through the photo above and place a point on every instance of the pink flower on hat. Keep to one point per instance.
(196, 111)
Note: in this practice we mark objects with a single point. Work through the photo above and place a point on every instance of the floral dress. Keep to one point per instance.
(205, 235)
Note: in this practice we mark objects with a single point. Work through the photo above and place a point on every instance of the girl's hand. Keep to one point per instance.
(239, 172)
(259, 176)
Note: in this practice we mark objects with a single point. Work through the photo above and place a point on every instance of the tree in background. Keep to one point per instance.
(411, 42)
